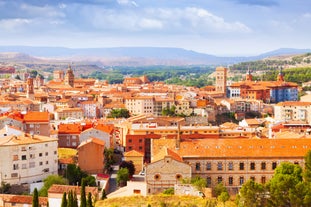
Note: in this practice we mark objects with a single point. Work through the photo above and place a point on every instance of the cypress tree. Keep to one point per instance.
(35, 198)
(104, 196)
(75, 200)
(70, 199)
(89, 200)
(83, 195)
(64, 200)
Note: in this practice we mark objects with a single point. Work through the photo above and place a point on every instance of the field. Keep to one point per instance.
(161, 201)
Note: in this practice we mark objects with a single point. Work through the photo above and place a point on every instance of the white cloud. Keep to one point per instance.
(150, 24)
(13, 24)
(127, 3)
(306, 15)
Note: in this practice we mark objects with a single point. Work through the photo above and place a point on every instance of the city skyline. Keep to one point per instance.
(224, 27)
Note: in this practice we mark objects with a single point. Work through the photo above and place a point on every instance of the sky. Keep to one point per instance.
(217, 27)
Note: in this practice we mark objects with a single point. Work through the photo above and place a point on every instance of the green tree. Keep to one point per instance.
(122, 176)
(104, 196)
(169, 191)
(49, 181)
(64, 200)
(74, 174)
(89, 200)
(5, 187)
(252, 194)
(223, 197)
(130, 166)
(83, 195)
(219, 188)
(285, 184)
(307, 170)
(108, 159)
(35, 198)
(75, 200)
(119, 113)
(198, 182)
(90, 180)
(70, 199)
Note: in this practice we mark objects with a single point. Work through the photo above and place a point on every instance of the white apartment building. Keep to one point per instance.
(293, 111)
(27, 158)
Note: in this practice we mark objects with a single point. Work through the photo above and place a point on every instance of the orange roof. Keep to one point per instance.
(105, 128)
(92, 140)
(23, 199)
(60, 189)
(37, 116)
(69, 128)
(245, 148)
(24, 139)
(294, 103)
(133, 153)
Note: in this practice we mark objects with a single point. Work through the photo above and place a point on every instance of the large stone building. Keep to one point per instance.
(221, 80)
(234, 162)
(27, 158)
(268, 91)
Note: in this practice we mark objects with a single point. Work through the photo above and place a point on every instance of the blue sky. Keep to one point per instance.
(218, 27)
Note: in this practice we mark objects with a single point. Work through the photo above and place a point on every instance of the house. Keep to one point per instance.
(165, 170)
(91, 155)
(55, 193)
(69, 135)
(64, 113)
(100, 131)
(8, 200)
(27, 158)
(137, 158)
(36, 122)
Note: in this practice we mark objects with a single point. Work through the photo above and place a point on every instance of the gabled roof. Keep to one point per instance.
(92, 140)
(37, 116)
(60, 189)
(22, 199)
(165, 152)
(74, 128)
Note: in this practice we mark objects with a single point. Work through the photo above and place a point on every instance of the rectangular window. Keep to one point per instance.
(219, 179)
(274, 165)
(14, 175)
(253, 178)
(40, 154)
(15, 166)
(23, 157)
(15, 157)
(46, 154)
(32, 156)
(197, 166)
(230, 166)
(230, 180)
(32, 164)
(130, 141)
(263, 179)
(209, 181)
(252, 166)
(140, 140)
(219, 166)
(40, 163)
(24, 166)
(241, 180)
(263, 165)
(208, 166)
(241, 165)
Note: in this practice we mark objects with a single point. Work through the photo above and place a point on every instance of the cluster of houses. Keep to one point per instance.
(37, 118)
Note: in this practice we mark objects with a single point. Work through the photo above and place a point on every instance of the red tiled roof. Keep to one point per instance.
(60, 189)
(37, 116)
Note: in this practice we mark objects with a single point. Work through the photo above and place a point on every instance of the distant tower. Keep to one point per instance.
(249, 76)
(69, 78)
(58, 75)
(221, 80)
(280, 76)
(30, 91)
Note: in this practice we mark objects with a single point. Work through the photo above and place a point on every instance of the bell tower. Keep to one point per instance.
(69, 78)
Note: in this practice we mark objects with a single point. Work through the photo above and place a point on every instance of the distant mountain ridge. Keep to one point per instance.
(131, 55)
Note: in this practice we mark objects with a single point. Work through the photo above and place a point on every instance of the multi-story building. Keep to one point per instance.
(90, 109)
(69, 135)
(36, 122)
(139, 105)
(293, 111)
(268, 91)
(63, 113)
(234, 162)
(102, 132)
(91, 155)
(27, 158)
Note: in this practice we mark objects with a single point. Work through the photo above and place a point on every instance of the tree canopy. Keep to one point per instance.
(130, 166)
(122, 176)
(49, 181)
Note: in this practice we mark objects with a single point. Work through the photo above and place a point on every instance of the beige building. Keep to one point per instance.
(165, 170)
(27, 158)
(63, 113)
(293, 111)
(233, 161)
(137, 158)
(221, 80)
(139, 105)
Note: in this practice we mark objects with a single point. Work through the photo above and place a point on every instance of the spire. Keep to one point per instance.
(280, 75)
(249, 76)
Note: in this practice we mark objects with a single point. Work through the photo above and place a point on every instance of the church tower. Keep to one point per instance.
(221, 80)
(249, 76)
(30, 89)
(280, 76)
(69, 78)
